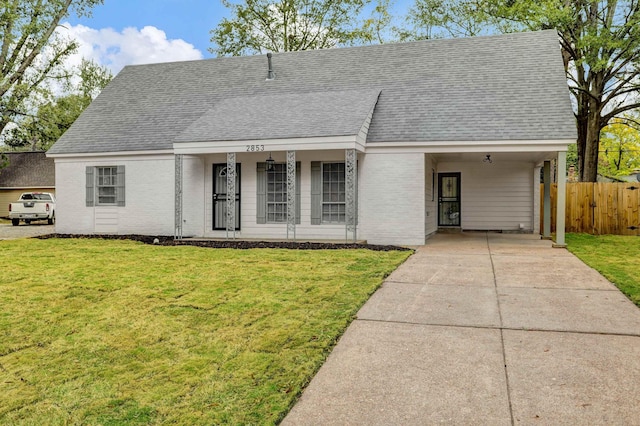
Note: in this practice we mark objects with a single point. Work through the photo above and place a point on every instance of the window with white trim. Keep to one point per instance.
(106, 184)
(277, 193)
(271, 193)
(333, 193)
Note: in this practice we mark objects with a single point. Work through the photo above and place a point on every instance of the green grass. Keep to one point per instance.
(616, 257)
(108, 332)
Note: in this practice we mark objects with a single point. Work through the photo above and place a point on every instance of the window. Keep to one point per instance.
(42, 197)
(333, 193)
(105, 186)
(271, 193)
(277, 193)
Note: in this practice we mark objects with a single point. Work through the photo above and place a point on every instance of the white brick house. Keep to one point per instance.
(380, 143)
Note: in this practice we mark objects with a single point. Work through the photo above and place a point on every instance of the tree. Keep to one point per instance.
(41, 131)
(53, 118)
(430, 19)
(257, 26)
(600, 41)
(620, 144)
(31, 51)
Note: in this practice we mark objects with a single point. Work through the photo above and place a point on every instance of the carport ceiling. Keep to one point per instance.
(529, 157)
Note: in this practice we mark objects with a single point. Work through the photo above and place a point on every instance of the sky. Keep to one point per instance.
(128, 32)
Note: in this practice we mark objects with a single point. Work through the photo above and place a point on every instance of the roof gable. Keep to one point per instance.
(508, 87)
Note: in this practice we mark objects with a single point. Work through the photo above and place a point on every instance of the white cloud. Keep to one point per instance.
(131, 46)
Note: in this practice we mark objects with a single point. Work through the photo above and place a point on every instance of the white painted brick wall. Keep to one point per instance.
(193, 196)
(392, 198)
(72, 216)
(149, 198)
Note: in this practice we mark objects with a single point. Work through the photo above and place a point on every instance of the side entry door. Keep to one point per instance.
(449, 199)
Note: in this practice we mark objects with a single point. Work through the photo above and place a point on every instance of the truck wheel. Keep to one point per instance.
(52, 219)
(15, 222)
(27, 221)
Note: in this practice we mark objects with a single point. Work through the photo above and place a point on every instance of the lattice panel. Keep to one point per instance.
(351, 176)
(291, 194)
(178, 195)
(231, 195)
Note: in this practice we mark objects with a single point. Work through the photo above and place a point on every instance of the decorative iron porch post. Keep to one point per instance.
(291, 194)
(351, 186)
(178, 195)
(231, 195)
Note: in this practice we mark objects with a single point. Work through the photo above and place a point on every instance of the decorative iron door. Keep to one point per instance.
(449, 199)
(220, 197)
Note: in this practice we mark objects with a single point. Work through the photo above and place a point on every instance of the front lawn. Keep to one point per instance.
(614, 256)
(109, 332)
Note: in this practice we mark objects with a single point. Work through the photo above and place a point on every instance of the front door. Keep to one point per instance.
(220, 196)
(449, 199)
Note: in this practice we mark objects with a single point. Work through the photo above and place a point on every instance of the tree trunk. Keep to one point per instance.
(581, 142)
(582, 111)
(590, 171)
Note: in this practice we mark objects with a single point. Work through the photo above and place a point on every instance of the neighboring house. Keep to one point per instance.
(631, 177)
(634, 177)
(26, 172)
(383, 143)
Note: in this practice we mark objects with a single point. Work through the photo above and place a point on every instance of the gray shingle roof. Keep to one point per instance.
(28, 170)
(292, 115)
(507, 87)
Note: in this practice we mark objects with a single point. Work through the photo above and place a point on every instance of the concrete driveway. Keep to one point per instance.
(484, 329)
(9, 232)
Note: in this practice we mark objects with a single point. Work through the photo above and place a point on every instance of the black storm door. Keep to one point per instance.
(220, 197)
(449, 199)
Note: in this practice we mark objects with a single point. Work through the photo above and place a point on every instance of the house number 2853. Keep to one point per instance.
(255, 148)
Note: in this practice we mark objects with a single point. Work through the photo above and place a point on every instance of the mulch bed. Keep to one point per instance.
(234, 244)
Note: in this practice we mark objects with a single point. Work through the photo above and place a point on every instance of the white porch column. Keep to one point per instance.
(561, 199)
(178, 158)
(291, 195)
(536, 201)
(351, 187)
(546, 232)
(231, 195)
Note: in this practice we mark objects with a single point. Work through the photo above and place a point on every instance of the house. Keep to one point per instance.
(633, 176)
(383, 143)
(25, 172)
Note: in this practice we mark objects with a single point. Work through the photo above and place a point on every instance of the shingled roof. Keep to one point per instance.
(496, 88)
(334, 113)
(28, 170)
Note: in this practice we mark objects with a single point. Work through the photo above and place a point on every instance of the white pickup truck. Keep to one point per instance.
(33, 206)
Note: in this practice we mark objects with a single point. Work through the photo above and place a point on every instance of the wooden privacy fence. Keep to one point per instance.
(597, 208)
